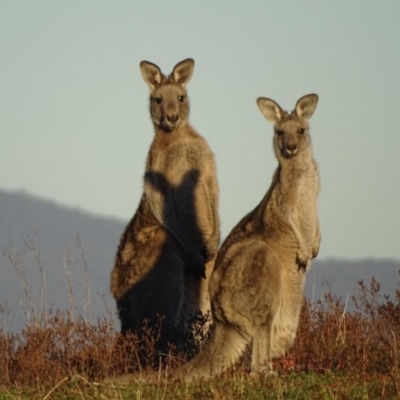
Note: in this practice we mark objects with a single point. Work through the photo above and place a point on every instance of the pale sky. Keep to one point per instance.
(74, 122)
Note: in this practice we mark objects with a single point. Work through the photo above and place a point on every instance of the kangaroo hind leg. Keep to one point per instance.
(224, 348)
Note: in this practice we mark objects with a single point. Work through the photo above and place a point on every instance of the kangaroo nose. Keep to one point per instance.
(291, 146)
(172, 118)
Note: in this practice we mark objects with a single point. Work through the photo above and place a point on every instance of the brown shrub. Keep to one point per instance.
(54, 345)
(364, 340)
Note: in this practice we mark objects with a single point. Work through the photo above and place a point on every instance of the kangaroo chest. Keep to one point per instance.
(172, 161)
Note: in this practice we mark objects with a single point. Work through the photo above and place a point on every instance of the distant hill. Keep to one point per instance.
(343, 276)
(53, 230)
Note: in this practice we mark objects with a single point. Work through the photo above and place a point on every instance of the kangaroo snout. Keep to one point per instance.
(172, 118)
(291, 148)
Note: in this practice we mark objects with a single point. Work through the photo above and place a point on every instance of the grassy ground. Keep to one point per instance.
(289, 386)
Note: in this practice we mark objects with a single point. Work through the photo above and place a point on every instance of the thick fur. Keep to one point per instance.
(168, 249)
(256, 287)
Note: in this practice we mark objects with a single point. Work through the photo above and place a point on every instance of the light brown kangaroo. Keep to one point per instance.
(256, 288)
(171, 242)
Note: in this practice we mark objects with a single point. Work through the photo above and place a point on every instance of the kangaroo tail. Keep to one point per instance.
(224, 348)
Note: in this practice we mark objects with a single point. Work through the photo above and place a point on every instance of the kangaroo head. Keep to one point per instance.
(291, 130)
(169, 104)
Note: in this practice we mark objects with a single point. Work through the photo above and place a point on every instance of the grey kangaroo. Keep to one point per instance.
(256, 288)
(167, 252)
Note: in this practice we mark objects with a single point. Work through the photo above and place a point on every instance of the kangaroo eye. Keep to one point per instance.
(280, 133)
(156, 100)
(301, 130)
(181, 98)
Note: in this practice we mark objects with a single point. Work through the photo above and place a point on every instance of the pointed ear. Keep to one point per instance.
(306, 105)
(151, 74)
(183, 71)
(270, 109)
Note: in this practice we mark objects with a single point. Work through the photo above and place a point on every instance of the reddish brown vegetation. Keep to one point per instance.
(330, 338)
(365, 340)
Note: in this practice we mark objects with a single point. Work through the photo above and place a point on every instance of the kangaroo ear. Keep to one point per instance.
(306, 105)
(183, 71)
(270, 109)
(151, 74)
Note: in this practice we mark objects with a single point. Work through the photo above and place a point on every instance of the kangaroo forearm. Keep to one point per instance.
(188, 245)
(317, 241)
(299, 237)
(212, 244)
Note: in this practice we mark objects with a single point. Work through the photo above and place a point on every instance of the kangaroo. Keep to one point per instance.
(167, 251)
(256, 287)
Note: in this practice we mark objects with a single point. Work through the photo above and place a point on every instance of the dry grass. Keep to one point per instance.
(61, 351)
